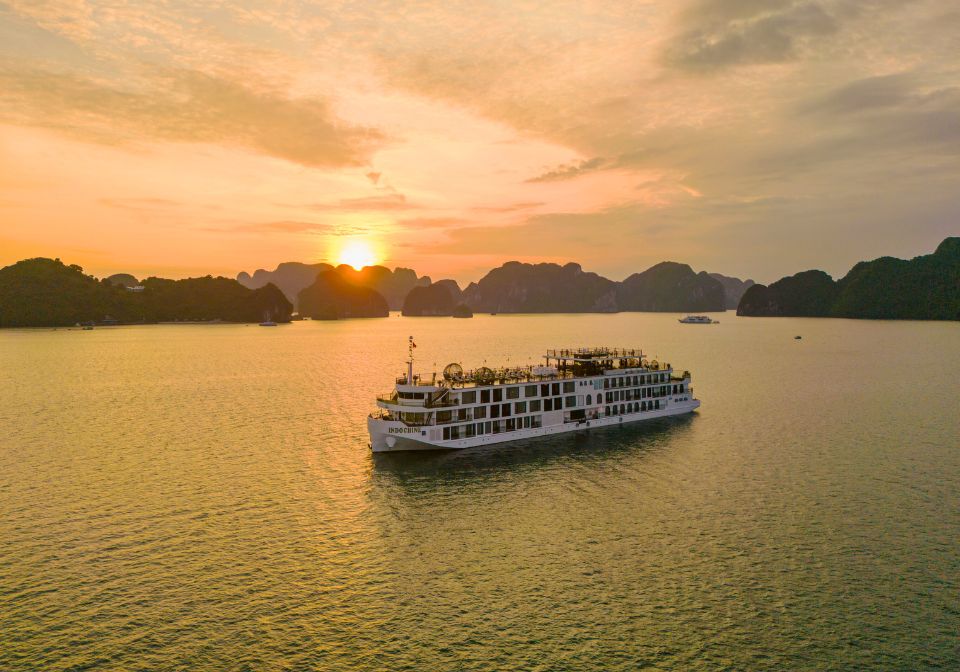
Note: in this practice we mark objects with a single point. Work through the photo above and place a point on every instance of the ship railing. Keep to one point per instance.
(389, 398)
(503, 377)
(612, 353)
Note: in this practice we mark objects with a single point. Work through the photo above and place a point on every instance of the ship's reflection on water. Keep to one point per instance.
(417, 469)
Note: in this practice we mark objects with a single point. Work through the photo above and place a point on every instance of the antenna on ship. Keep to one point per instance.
(410, 346)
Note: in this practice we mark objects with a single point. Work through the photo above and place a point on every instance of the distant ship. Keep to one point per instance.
(698, 319)
(575, 389)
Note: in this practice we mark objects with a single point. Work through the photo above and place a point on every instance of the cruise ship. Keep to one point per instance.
(573, 390)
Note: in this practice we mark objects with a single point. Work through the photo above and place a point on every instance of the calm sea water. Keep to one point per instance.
(202, 498)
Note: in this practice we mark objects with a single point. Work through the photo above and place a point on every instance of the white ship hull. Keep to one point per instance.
(394, 436)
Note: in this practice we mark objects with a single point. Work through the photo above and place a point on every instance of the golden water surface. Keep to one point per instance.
(203, 498)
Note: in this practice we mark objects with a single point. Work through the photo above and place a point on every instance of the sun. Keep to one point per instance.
(357, 253)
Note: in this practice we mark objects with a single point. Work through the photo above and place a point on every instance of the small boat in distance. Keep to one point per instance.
(698, 319)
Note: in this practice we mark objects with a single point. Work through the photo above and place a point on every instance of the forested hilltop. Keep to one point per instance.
(923, 288)
(48, 293)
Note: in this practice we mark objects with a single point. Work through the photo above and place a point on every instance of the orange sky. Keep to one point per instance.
(749, 138)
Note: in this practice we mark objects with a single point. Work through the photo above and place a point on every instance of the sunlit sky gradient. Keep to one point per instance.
(749, 137)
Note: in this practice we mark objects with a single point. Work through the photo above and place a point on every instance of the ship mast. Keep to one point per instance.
(410, 347)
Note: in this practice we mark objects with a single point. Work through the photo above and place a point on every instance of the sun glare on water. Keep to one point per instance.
(358, 254)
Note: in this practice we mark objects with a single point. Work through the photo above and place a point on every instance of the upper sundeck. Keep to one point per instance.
(484, 376)
(596, 355)
(570, 363)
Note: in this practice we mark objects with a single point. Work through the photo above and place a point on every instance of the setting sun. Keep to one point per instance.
(357, 253)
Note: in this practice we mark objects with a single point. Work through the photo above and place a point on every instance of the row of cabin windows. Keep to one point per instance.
(643, 393)
(554, 389)
(497, 394)
(635, 407)
(506, 410)
(491, 427)
(633, 381)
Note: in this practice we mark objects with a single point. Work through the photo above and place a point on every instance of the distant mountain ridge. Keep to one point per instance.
(733, 288)
(923, 288)
(292, 277)
(333, 296)
(48, 293)
(521, 287)
(550, 288)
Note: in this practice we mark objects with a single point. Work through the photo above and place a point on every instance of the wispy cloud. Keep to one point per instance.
(510, 207)
(570, 171)
(290, 226)
(715, 34)
(384, 202)
(185, 106)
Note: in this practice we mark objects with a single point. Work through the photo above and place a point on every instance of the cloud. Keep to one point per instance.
(139, 203)
(717, 34)
(867, 94)
(512, 207)
(365, 203)
(572, 170)
(415, 223)
(186, 106)
(290, 226)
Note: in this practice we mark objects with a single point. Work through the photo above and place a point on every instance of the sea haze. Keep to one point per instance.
(203, 497)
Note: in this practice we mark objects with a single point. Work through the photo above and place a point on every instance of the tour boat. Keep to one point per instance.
(575, 389)
(698, 319)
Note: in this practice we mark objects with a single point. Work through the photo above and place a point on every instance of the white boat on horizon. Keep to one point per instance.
(698, 319)
(576, 389)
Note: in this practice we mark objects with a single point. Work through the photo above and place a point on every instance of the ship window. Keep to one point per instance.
(606, 383)
(446, 433)
(471, 430)
(555, 389)
(462, 414)
(589, 400)
(570, 401)
(484, 396)
(480, 412)
(455, 432)
(621, 409)
(520, 407)
(568, 386)
(548, 404)
(469, 397)
(537, 421)
(513, 393)
(544, 390)
(487, 430)
(494, 411)
(511, 425)
(530, 391)
(557, 403)
(498, 395)
(505, 410)
(657, 402)
(496, 427)
(526, 422)
(535, 406)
